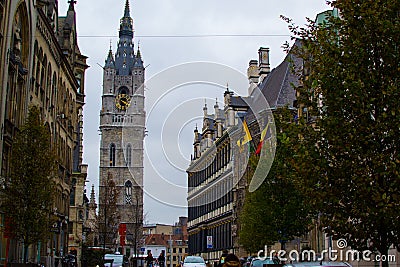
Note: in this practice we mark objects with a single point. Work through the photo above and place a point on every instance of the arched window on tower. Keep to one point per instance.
(112, 155)
(128, 192)
(128, 155)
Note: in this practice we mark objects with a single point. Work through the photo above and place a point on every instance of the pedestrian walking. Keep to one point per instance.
(149, 259)
(231, 260)
(222, 258)
(161, 259)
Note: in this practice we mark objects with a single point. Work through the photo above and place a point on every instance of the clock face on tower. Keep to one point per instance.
(122, 101)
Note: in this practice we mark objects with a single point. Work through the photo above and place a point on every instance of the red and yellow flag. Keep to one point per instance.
(263, 134)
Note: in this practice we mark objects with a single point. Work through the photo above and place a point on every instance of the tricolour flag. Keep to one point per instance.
(263, 134)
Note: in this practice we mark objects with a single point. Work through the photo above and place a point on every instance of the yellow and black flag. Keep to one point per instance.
(246, 138)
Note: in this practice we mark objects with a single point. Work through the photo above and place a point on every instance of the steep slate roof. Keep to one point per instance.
(238, 101)
(277, 86)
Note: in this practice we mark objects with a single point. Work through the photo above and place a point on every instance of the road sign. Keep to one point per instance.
(209, 241)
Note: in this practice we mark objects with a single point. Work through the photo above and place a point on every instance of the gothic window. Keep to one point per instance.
(112, 155)
(124, 53)
(124, 66)
(128, 192)
(18, 62)
(128, 155)
(53, 91)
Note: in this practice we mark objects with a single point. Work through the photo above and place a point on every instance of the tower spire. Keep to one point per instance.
(124, 56)
(126, 13)
(92, 202)
(126, 23)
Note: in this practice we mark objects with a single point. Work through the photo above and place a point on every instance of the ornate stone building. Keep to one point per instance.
(211, 180)
(41, 65)
(122, 126)
(217, 173)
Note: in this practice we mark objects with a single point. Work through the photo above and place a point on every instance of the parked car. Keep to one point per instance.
(194, 261)
(115, 260)
(257, 262)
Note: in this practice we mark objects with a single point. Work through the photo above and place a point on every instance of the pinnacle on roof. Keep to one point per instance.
(138, 54)
(216, 103)
(227, 92)
(71, 5)
(92, 197)
(110, 59)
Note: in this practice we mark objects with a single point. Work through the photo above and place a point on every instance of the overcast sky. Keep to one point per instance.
(173, 114)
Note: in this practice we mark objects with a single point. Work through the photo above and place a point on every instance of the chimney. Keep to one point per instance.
(252, 75)
(263, 59)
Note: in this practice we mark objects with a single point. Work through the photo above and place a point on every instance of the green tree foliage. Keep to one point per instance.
(27, 197)
(349, 166)
(276, 211)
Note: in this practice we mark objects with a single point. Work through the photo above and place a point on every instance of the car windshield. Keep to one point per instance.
(260, 263)
(117, 259)
(194, 260)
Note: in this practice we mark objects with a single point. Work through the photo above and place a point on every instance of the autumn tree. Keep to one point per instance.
(27, 197)
(349, 162)
(276, 211)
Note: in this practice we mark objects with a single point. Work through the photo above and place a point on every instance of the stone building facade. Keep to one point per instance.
(122, 127)
(41, 65)
(217, 173)
(172, 240)
(211, 180)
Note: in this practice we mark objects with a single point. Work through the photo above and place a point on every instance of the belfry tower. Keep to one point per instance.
(122, 127)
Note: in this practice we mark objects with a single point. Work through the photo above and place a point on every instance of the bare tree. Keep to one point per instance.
(108, 219)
